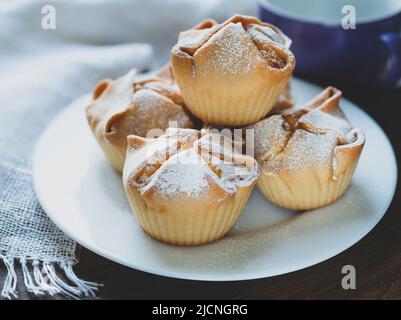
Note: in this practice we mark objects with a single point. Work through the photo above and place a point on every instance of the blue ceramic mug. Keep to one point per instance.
(328, 47)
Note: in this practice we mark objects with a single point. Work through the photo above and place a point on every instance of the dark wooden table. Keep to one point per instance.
(377, 257)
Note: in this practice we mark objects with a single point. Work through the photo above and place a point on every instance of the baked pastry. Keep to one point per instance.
(284, 102)
(187, 189)
(232, 73)
(129, 106)
(308, 155)
(236, 135)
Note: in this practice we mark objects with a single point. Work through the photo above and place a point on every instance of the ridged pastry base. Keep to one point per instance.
(311, 194)
(227, 106)
(189, 225)
(115, 154)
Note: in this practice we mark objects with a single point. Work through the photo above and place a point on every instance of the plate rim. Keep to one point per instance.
(201, 276)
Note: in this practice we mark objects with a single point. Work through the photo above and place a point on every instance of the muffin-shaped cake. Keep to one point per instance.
(187, 189)
(129, 106)
(308, 155)
(232, 73)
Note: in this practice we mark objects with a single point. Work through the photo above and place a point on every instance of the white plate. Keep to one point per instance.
(85, 198)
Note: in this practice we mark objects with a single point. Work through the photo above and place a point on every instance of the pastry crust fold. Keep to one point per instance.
(129, 106)
(308, 155)
(187, 189)
(232, 73)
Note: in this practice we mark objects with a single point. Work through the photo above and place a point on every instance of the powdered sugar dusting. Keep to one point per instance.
(184, 173)
(233, 50)
(241, 175)
(270, 137)
(305, 150)
(221, 152)
(309, 141)
(327, 121)
(178, 164)
(154, 111)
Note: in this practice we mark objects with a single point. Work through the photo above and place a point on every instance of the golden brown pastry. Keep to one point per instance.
(232, 73)
(236, 135)
(129, 106)
(284, 102)
(308, 155)
(187, 189)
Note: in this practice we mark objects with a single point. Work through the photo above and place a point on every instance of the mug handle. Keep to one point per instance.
(393, 42)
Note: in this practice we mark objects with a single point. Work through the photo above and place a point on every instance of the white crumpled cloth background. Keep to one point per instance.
(41, 72)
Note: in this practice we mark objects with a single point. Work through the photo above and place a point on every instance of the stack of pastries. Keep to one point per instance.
(186, 179)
